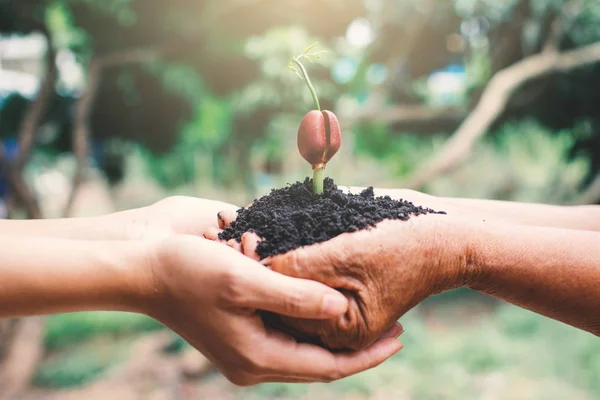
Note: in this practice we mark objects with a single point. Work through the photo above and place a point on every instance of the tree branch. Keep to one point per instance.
(494, 100)
(27, 132)
(406, 115)
(21, 350)
(81, 129)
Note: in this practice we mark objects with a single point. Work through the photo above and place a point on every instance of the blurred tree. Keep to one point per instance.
(189, 77)
(520, 59)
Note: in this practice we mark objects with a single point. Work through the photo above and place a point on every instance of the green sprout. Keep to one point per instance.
(296, 66)
(319, 135)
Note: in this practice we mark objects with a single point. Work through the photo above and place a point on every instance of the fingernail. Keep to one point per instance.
(400, 333)
(334, 304)
(399, 347)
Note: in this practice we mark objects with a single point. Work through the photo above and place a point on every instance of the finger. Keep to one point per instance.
(251, 379)
(234, 244)
(226, 217)
(212, 234)
(316, 262)
(250, 241)
(306, 361)
(395, 331)
(354, 363)
(282, 379)
(263, 289)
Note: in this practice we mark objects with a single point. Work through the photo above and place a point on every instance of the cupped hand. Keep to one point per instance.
(383, 272)
(175, 215)
(210, 295)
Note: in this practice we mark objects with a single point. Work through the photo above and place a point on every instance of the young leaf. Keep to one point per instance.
(309, 48)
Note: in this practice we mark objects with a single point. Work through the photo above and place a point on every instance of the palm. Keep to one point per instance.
(181, 215)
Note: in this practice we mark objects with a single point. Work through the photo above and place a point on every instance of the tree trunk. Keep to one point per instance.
(21, 349)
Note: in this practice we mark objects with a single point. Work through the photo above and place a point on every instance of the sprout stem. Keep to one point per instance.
(318, 178)
(304, 76)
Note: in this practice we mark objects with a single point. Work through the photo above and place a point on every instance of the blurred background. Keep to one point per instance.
(112, 104)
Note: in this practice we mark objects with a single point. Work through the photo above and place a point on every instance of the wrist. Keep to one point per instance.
(118, 275)
(440, 251)
(487, 246)
(73, 275)
(454, 248)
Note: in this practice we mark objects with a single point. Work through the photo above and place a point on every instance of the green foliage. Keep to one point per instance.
(509, 354)
(79, 365)
(400, 152)
(65, 34)
(67, 329)
(522, 161)
(585, 27)
(121, 9)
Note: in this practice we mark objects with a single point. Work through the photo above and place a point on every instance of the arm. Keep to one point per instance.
(117, 226)
(386, 271)
(41, 276)
(207, 294)
(531, 214)
(543, 215)
(173, 215)
(553, 272)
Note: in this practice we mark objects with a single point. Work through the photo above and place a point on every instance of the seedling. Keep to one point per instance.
(319, 135)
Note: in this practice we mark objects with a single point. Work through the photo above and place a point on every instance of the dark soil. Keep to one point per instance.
(293, 216)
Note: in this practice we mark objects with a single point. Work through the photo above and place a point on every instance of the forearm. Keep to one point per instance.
(41, 276)
(552, 216)
(553, 272)
(530, 214)
(117, 226)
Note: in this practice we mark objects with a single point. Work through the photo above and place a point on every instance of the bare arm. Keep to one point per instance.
(173, 215)
(531, 214)
(206, 293)
(387, 270)
(115, 226)
(554, 272)
(43, 276)
(543, 215)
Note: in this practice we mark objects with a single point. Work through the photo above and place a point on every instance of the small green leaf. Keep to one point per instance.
(307, 58)
(310, 48)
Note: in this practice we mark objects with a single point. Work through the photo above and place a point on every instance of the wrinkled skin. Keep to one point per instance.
(383, 272)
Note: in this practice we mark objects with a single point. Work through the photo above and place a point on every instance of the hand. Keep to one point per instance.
(210, 294)
(174, 215)
(383, 272)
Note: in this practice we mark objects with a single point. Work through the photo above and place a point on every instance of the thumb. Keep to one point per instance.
(271, 291)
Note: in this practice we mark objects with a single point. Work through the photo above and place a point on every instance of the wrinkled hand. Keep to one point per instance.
(209, 294)
(383, 272)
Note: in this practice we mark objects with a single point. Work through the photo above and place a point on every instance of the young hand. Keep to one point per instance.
(211, 294)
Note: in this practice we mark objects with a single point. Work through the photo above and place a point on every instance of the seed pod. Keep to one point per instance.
(319, 137)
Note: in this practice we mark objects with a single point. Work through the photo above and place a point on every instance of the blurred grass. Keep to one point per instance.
(458, 345)
(65, 330)
(80, 364)
(507, 354)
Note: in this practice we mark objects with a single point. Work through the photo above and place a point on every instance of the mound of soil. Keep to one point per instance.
(293, 216)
